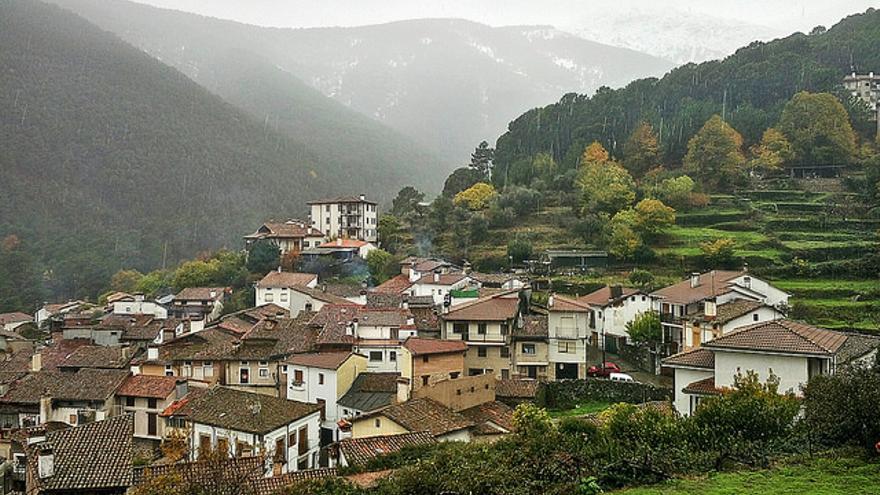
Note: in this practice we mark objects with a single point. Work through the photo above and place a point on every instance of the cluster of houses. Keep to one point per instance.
(317, 375)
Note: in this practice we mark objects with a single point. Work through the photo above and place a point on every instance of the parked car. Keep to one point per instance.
(603, 371)
(620, 377)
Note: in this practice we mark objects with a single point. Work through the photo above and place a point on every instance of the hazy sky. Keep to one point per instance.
(782, 16)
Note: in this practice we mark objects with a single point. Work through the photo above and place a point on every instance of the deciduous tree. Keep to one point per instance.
(476, 197)
(819, 129)
(641, 151)
(715, 155)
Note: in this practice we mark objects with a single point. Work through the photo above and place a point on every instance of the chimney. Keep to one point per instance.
(279, 268)
(404, 304)
(746, 267)
(37, 361)
(710, 308)
(403, 389)
(616, 291)
(181, 388)
(550, 301)
(695, 280)
(436, 275)
(152, 353)
(213, 294)
(364, 196)
(46, 463)
(45, 408)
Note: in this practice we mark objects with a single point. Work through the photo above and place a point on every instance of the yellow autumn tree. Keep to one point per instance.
(476, 197)
(594, 153)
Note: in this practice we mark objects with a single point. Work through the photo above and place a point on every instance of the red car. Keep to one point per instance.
(603, 371)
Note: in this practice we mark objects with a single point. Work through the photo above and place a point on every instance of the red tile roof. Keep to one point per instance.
(489, 416)
(443, 279)
(200, 293)
(694, 358)
(291, 229)
(418, 346)
(344, 243)
(394, 285)
(710, 283)
(286, 279)
(324, 360)
(561, 303)
(784, 336)
(602, 297)
(360, 451)
(14, 317)
(492, 308)
(705, 386)
(423, 415)
(149, 386)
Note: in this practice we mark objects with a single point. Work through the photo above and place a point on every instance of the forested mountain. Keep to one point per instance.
(749, 88)
(110, 159)
(446, 83)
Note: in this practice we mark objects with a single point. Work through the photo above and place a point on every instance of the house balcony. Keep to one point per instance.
(671, 319)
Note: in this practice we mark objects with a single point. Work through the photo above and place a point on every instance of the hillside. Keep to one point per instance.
(109, 158)
(750, 87)
(446, 83)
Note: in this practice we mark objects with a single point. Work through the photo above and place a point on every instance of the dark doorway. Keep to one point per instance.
(566, 371)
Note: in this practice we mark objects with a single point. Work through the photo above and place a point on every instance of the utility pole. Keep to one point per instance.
(164, 254)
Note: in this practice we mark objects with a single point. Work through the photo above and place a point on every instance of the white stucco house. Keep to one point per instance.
(568, 336)
(322, 378)
(243, 423)
(137, 304)
(353, 217)
(689, 297)
(791, 351)
(304, 298)
(276, 287)
(611, 309)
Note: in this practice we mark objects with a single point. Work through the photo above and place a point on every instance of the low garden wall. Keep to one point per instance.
(567, 393)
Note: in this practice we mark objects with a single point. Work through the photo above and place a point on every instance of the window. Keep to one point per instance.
(244, 376)
(151, 403)
(223, 446)
(327, 209)
(320, 378)
(566, 347)
(303, 440)
(129, 402)
(297, 376)
(323, 404)
(269, 297)
(280, 454)
(505, 352)
(187, 368)
(376, 356)
(392, 356)
(528, 349)
(481, 351)
(204, 444)
(264, 363)
(481, 328)
(208, 368)
(454, 375)
(505, 328)
(264, 372)
(284, 369)
(168, 370)
(152, 425)
(425, 379)
(424, 359)
(308, 306)
(459, 328)
(755, 317)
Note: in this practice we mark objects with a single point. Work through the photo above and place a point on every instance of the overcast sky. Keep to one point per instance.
(780, 15)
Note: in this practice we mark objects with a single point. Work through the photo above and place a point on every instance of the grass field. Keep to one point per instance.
(849, 476)
(580, 410)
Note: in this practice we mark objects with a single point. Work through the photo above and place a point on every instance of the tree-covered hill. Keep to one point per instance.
(750, 88)
(446, 83)
(110, 159)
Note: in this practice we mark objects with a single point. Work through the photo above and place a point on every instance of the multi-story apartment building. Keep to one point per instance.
(348, 216)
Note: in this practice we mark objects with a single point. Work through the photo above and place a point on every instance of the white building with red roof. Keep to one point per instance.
(611, 309)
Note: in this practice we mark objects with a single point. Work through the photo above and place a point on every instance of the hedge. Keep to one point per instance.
(566, 394)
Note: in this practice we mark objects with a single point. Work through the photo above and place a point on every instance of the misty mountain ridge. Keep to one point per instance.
(445, 83)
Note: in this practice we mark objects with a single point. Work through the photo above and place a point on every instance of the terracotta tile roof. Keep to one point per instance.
(710, 283)
(371, 391)
(320, 295)
(443, 279)
(394, 285)
(423, 265)
(384, 317)
(16, 362)
(384, 299)
(149, 386)
(290, 229)
(277, 279)
(426, 319)
(602, 297)
(516, 389)
(245, 411)
(418, 346)
(148, 330)
(275, 484)
(208, 345)
(492, 308)
(98, 356)
(182, 407)
(533, 326)
(731, 310)
(276, 339)
(856, 346)
(781, 336)
(368, 480)
(200, 293)
(87, 384)
(345, 290)
(90, 457)
(56, 352)
(424, 415)
(207, 474)
(332, 321)
(340, 199)
(561, 303)
(340, 242)
(360, 451)
(494, 278)
(705, 386)
(324, 360)
(489, 416)
(695, 358)
(14, 317)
